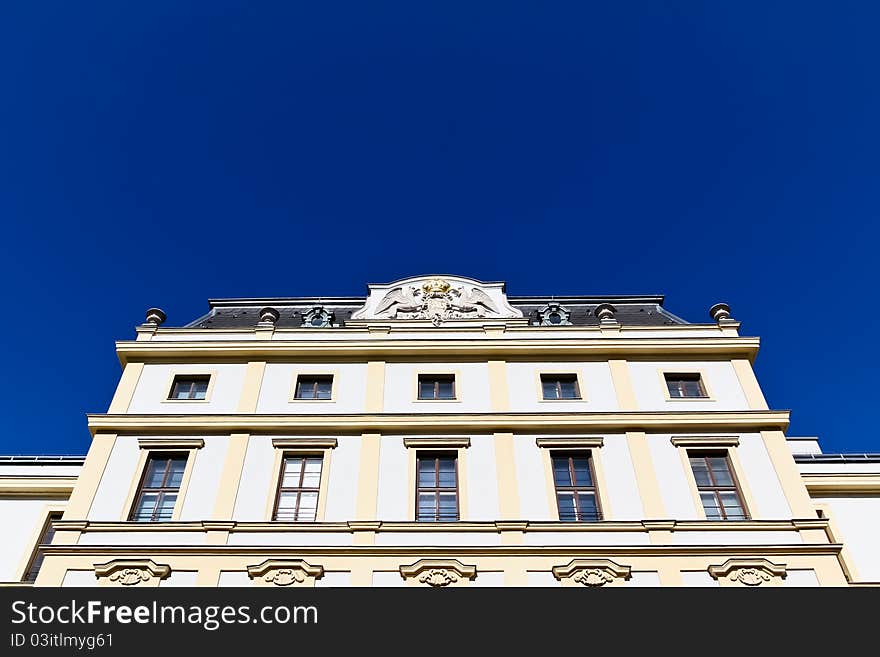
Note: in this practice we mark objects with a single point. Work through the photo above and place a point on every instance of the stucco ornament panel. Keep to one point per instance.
(592, 573)
(438, 299)
(131, 572)
(438, 572)
(285, 572)
(748, 572)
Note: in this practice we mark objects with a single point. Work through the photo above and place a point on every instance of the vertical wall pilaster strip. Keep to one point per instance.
(83, 494)
(368, 478)
(789, 476)
(626, 396)
(498, 393)
(125, 390)
(749, 383)
(505, 471)
(646, 477)
(230, 479)
(375, 401)
(250, 392)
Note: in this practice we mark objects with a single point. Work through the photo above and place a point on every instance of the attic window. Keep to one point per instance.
(554, 315)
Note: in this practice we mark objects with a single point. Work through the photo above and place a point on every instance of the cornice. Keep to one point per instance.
(751, 420)
(24, 485)
(473, 348)
(841, 482)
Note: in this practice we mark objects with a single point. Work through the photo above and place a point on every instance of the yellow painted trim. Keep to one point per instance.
(834, 535)
(170, 443)
(289, 447)
(367, 501)
(749, 383)
(143, 458)
(752, 508)
(570, 442)
(131, 374)
(841, 482)
(789, 477)
(460, 455)
(375, 401)
(499, 394)
(505, 472)
(646, 476)
(294, 444)
(626, 395)
(601, 483)
(250, 390)
(471, 422)
(437, 442)
(37, 486)
(34, 541)
(80, 502)
(230, 477)
(728, 445)
(705, 442)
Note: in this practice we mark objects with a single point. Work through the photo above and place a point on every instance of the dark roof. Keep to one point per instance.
(244, 313)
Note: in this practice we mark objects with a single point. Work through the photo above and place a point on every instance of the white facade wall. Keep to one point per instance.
(279, 379)
(596, 388)
(117, 481)
(394, 501)
(342, 484)
(253, 503)
(672, 478)
(204, 485)
(719, 377)
(768, 501)
(22, 521)
(857, 518)
(471, 388)
(154, 386)
(481, 480)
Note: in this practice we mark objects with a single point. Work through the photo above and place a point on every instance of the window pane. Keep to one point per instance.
(673, 386)
(721, 470)
(308, 505)
(701, 471)
(582, 476)
(427, 506)
(448, 506)
(301, 390)
(426, 389)
(446, 389)
(144, 511)
(427, 475)
(200, 389)
(166, 506)
(587, 507)
(175, 473)
(566, 507)
(692, 388)
(710, 506)
(549, 388)
(732, 506)
(177, 391)
(286, 507)
(447, 473)
(155, 473)
(561, 474)
(324, 389)
(569, 389)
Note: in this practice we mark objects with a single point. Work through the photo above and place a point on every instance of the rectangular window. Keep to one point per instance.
(45, 539)
(717, 486)
(575, 487)
(298, 488)
(437, 493)
(190, 387)
(685, 385)
(314, 386)
(436, 386)
(560, 386)
(159, 487)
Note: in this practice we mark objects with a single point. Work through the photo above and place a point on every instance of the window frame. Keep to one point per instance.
(181, 489)
(575, 489)
(438, 490)
(736, 488)
(50, 514)
(558, 375)
(279, 487)
(701, 378)
(438, 376)
(313, 375)
(172, 381)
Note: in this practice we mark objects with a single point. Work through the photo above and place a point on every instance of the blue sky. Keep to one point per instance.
(162, 153)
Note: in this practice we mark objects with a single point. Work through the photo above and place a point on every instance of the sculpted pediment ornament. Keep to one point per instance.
(591, 573)
(285, 572)
(131, 572)
(748, 572)
(438, 299)
(438, 572)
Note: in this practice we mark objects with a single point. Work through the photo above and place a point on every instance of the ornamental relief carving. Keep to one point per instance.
(748, 572)
(438, 577)
(285, 572)
(131, 572)
(749, 576)
(591, 573)
(593, 577)
(438, 573)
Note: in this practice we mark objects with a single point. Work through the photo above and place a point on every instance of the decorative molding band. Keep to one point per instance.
(574, 442)
(705, 441)
(748, 572)
(14, 485)
(591, 572)
(304, 443)
(285, 572)
(217, 350)
(436, 442)
(171, 443)
(472, 422)
(131, 572)
(438, 572)
(841, 482)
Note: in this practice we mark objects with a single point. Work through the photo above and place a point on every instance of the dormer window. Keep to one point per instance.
(317, 317)
(554, 315)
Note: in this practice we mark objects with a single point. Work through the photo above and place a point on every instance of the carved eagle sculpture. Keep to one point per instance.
(411, 300)
(471, 301)
(400, 300)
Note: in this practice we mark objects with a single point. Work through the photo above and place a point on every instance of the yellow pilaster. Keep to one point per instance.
(250, 392)
(375, 386)
(230, 478)
(749, 383)
(368, 477)
(646, 478)
(498, 393)
(505, 471)
(626, 396)
(789, 476)
(125, 390)
(89, 477)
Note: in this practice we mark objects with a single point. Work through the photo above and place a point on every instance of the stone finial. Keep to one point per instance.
(605, 312)
(268, 315)
(155, 316)
(720, 312)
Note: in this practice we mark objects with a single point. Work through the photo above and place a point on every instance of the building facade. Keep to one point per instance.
(438, 432)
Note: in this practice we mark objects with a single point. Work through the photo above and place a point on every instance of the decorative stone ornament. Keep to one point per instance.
(748, 572)
(591, 573)
(438, 572)
(605, 312)
(554, 315)
(317, 317)
(720, 312)
(156, 316)
(269, 316)
(132, 572)
(285, 572)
